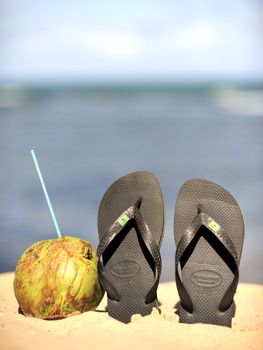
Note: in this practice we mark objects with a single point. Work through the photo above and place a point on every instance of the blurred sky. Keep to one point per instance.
(130, 40)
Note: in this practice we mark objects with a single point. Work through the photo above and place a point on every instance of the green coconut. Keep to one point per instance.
(57, 278)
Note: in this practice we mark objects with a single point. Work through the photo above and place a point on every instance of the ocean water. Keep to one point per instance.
(85, 138)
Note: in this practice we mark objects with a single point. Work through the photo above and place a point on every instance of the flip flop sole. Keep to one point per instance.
(129, 268)
(205, 275)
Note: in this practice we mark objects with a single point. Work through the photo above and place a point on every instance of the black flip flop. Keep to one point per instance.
(130, 226)
(209, 234)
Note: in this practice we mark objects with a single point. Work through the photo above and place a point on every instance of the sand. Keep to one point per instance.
(96, 330)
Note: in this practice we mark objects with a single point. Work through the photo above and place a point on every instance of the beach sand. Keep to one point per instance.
(96, 330)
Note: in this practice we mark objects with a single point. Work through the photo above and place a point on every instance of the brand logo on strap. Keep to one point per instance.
(213, 226)
(123, 219)
(206, 278)
(126, 268)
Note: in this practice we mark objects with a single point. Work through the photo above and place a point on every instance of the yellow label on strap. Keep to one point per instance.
(214, 226)
(123, 219)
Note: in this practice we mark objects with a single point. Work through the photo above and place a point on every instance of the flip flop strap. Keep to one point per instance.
(131, 213)
(228, 254)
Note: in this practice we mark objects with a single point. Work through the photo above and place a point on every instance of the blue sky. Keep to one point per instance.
(63, 40)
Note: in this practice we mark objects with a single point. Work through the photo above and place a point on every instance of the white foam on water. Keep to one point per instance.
(11, 97)
(240, 102)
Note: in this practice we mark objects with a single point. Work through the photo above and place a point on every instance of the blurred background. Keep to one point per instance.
(101, 89)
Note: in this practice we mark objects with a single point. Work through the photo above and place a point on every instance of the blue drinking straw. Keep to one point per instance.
(45, 193)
